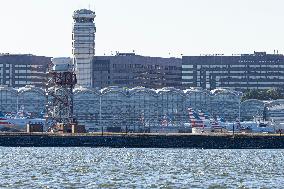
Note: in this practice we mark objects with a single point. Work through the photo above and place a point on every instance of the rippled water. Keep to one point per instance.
(140, 168)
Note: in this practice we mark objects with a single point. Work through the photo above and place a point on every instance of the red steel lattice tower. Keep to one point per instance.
(61, 80)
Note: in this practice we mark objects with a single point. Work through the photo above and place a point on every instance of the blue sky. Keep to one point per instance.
(150, 27)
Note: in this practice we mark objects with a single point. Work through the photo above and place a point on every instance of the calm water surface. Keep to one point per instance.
(140, 168)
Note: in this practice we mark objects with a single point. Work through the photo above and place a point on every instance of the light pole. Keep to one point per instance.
(101, 114)
(240, 94)
(240, 109)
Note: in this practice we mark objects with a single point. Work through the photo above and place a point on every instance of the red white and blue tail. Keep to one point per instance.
(194, 119)
(215, 124)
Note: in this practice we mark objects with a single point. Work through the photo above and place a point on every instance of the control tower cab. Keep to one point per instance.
(84, 15)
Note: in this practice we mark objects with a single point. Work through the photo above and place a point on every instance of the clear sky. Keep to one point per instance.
(150, 27)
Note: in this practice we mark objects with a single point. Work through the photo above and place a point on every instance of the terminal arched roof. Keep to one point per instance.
(114, 89)
(83, 90)
(10, 89)
(170, 90)
(221, 91)
(196, 90)
(31, 88)
(135, 90)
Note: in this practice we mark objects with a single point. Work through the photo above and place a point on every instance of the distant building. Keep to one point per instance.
(245, 71)
(130, 70)
(83, 43)
(19, 70)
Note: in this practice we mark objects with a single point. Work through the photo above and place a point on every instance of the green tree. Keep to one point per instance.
(269, 94)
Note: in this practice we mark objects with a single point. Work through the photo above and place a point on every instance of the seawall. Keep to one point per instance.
(239, 141)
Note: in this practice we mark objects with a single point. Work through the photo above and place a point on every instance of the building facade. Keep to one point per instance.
(144, 107)
(29, 98)
(275, 111)
(23, 69)
(131, 70)
(83, 43)
(245, 71)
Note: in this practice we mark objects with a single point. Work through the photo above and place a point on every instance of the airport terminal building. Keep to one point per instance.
(131, 70)
(139, 106)
(19, 70)
(245, 71)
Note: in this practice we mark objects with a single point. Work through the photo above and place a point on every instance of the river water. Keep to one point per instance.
(140, 168)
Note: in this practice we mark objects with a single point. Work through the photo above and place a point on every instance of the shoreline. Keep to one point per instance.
(144, 140)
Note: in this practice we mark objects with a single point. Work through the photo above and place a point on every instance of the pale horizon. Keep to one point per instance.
(161, 28)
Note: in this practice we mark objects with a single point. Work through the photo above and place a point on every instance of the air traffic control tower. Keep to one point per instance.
(83, 43)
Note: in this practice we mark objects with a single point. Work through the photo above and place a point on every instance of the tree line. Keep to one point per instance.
(263, 94)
